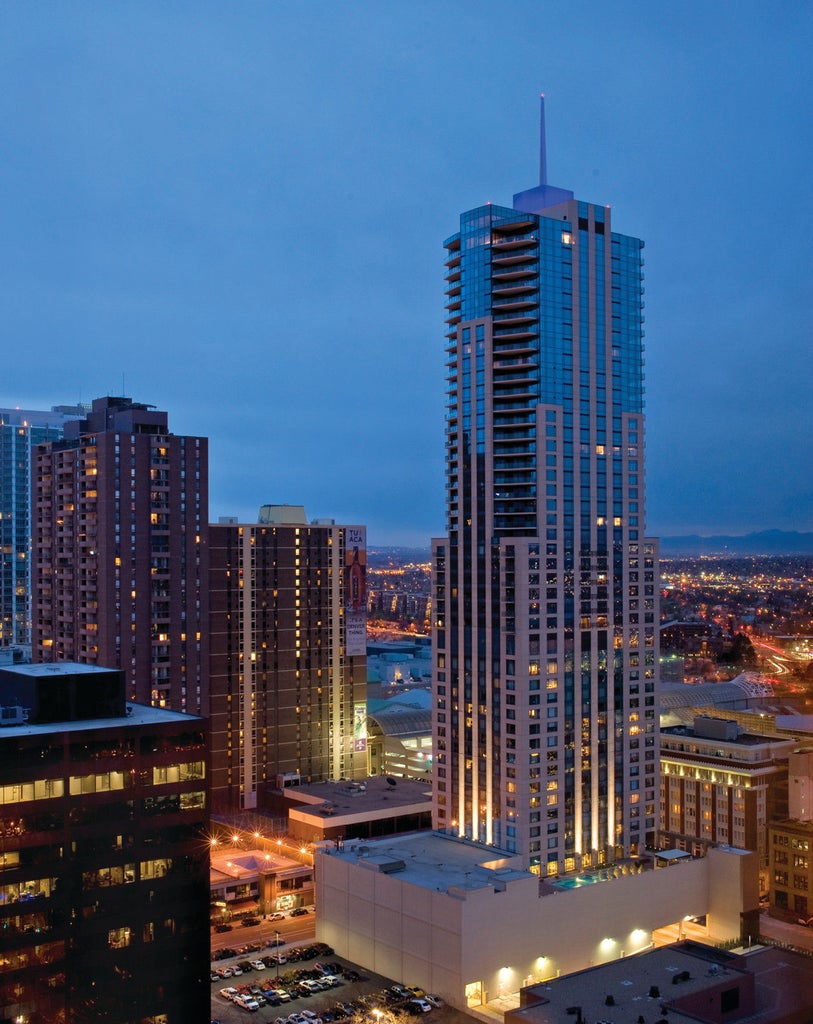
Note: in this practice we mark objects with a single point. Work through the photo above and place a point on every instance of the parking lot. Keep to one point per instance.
(355, 995)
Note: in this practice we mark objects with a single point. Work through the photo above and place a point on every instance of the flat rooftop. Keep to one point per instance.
(82, 676)
(59, 668)
(343, 799)
(138, 715)
(246, 865)
(433, 860)
(744, 739)
(783, 986)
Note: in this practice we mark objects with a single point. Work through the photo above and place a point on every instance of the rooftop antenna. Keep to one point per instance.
(543, 156)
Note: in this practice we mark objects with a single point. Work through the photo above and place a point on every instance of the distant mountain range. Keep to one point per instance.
(765, 542)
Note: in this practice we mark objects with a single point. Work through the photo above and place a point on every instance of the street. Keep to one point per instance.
(291, 930)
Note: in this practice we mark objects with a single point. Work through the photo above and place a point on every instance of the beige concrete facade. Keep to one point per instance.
(465, 921)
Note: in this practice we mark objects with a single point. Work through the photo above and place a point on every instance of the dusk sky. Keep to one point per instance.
(235, 212)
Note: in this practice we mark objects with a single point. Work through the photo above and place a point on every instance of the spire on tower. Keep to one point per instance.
(543, 153)
(543, 195)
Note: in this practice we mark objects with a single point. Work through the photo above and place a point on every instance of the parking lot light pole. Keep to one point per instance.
(276, 936)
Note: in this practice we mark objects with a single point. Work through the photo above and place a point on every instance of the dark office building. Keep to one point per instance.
(104, 894)
(120, 512)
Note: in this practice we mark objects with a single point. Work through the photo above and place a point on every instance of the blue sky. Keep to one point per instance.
(236, 212)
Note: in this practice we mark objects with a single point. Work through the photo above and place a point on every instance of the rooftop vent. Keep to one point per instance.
(13, 716)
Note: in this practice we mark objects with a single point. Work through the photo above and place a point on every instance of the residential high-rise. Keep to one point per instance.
(104, 901)
(21, 430)
(545, 590)
(288, 675)
(119, 552)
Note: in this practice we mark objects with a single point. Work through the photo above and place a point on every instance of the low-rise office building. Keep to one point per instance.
(791, 876)
(344, 810)
(257, 880)
(685, 982)
(721, 784)
(466, 921)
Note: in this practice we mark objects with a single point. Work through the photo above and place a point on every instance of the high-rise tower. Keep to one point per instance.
(545, 590)
(21, 430)
(120, 553)
(288, 654)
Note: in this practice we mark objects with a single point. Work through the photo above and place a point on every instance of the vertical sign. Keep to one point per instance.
(360, 726)
(355, 590)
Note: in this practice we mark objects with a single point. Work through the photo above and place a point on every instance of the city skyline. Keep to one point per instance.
(190, 197)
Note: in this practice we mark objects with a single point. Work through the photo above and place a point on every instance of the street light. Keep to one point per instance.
(276, 936)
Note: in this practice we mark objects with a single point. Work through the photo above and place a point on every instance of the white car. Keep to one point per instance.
(246, 1002)
(229, 993)
(433, 999)
(422, 1004)
(258, 965)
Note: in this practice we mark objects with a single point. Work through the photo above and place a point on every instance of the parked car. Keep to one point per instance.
(279, 993)
(223, 927)
(420, 1004)
(298, 912)
(433, 999)
(279, 916)
(247, 1002)
(258, 965)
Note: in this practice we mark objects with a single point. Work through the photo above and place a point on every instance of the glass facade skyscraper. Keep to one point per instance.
(545, 589)
(21, 430)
